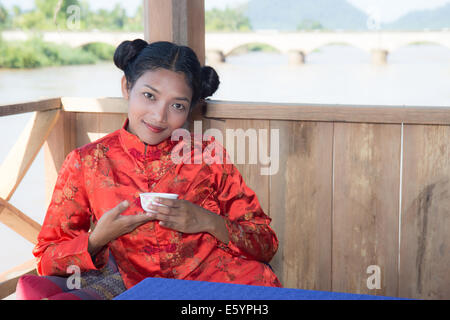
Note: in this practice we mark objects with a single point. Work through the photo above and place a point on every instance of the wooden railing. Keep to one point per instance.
(12, 171)
(357, 186)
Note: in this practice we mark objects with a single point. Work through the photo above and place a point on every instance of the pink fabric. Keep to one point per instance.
(31, 287)
(64, 296)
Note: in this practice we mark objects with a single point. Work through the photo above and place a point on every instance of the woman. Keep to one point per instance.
(216, 229)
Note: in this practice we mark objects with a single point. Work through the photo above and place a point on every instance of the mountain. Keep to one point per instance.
(287, 15)
(438, 18)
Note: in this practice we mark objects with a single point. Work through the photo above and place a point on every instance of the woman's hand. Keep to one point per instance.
(184, 216)
(112, 225)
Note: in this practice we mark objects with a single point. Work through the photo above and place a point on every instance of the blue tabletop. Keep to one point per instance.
(174, 289)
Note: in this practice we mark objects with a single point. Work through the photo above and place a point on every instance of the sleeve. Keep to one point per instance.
(63, 239)
(248, 226)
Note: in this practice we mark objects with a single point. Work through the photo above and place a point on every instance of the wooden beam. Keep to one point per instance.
(18, 221)
(21, 156)
(59, 143)
(9, 279)
(41, 105)
(284, 111)
(95, 105)
(178, 21)
(323, 112)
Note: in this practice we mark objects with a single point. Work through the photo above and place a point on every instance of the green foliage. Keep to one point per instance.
(54, 15)
(49, 15)
(5, 18)
(228, 20)
(102, 51)
(35, 53)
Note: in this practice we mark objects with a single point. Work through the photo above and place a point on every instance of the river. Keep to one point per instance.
(417, 75)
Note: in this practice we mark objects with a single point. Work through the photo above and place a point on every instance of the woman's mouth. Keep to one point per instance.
(153, 128)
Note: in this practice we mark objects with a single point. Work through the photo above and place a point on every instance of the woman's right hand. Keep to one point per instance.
(112, 225)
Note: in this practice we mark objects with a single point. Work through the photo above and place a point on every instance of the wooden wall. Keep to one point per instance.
(354, 194)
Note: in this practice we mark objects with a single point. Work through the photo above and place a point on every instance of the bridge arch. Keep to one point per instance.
(420, 42)
(337, 43)
(253, 46)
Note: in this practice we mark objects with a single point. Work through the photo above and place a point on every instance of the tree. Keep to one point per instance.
(49, 14)
(54, 14)
(307, 24)
(4, 17)
(227, 20)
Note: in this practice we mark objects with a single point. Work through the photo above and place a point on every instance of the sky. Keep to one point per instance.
(386, 10)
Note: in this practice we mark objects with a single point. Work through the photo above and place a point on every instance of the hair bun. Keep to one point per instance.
(127, 51)
(210, 82)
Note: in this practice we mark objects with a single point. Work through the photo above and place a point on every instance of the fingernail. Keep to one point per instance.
(125, 203)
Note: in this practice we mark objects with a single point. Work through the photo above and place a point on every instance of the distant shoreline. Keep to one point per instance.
(36, 53)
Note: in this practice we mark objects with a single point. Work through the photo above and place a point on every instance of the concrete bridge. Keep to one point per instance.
(296, 45)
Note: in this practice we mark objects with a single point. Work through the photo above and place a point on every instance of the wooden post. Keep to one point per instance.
(178, 21)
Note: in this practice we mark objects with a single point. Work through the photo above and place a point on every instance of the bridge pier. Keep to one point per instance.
(296, 57)
(379, 56)
(215, 56)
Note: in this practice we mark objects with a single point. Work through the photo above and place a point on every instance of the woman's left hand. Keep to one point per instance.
(183, 216)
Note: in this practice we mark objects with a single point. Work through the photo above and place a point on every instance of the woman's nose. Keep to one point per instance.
(160, 113)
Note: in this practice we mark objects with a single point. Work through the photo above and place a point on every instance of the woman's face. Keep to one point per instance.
(158, 104)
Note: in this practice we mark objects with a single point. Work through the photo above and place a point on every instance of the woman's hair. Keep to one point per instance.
(137, 56)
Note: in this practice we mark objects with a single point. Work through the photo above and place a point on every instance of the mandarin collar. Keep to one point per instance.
(140, 150)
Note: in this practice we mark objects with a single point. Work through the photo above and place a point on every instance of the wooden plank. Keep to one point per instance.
(425, 221)
(18, 270)
(366, 207)
(324, 112)
(23, 153)
(18, 221)
(93, 126)
(95, 105)
(40, 105)
(251, 172)
(283, 111)
(300, 204)
(58, 145)
(9, 279)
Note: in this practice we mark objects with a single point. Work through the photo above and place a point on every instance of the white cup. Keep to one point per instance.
(147, 199)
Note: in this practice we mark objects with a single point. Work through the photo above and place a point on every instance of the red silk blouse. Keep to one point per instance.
(96, 177)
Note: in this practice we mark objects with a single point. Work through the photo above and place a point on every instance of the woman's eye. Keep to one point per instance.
(148, 95)
(178, 106)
